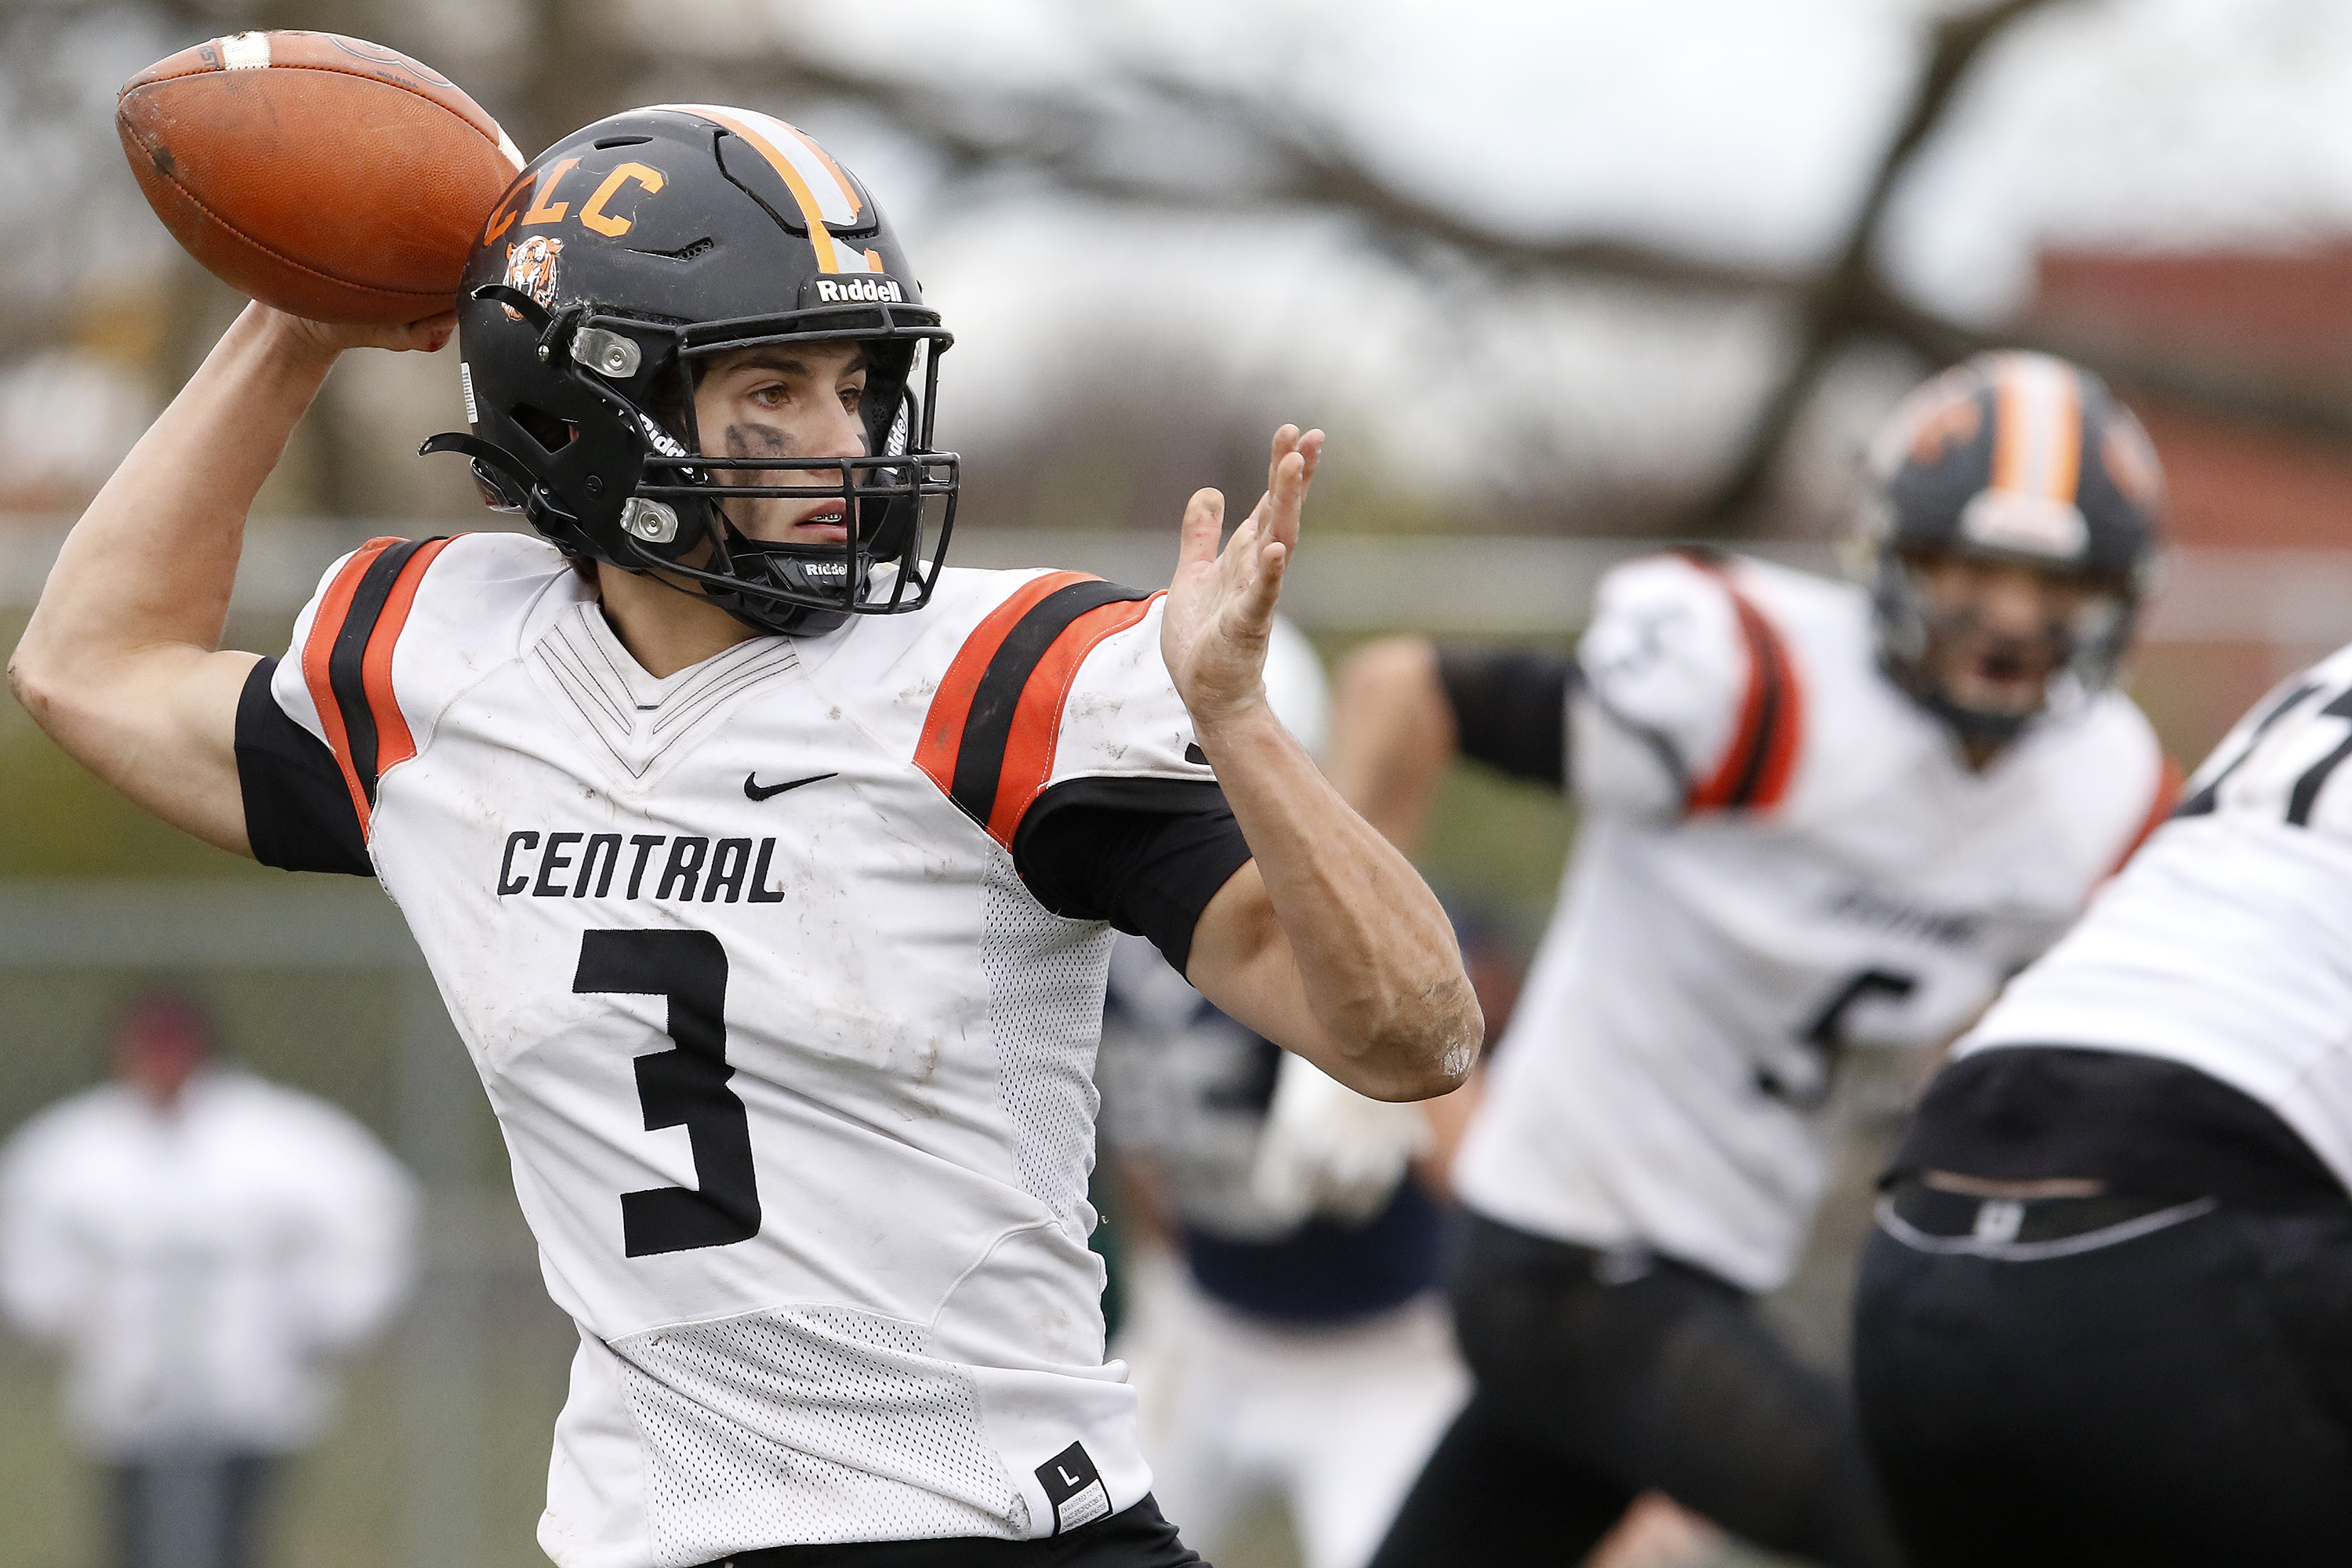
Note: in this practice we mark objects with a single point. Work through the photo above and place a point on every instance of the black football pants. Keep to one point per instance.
(1134, 1538)
(2180, 1398)
(196, 1508)
(1601, 1378)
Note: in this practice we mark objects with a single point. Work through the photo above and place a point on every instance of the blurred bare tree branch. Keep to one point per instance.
(1073, 141)
(1851, 296)
(1136, 134)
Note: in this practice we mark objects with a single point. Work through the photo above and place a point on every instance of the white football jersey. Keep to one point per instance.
(1781, 856)
(794, 1072)
(2227, 945)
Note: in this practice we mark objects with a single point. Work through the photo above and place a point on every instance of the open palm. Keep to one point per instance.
(1221, 605)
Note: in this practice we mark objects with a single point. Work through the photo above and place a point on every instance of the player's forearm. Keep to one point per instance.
(116, 663)
(1374, 954)
(150, 565)
(1393, 736)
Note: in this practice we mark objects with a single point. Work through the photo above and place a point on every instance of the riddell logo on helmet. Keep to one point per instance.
(867, 290)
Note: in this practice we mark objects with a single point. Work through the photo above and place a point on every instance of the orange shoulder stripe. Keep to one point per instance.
(326, 627)
(394, 745)
(1037, 721)
(1761, 762)
(943, 724)
(988, 741)
(347, 661)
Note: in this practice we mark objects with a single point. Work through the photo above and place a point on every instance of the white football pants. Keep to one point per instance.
(1335, 1422)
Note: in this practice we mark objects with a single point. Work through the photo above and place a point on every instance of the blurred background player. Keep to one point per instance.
(1283, 1328)
(1814, 815)
(201, 1245)
(2108, 1315)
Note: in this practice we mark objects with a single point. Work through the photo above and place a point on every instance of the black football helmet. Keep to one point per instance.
(616, 266)
(2014, 456)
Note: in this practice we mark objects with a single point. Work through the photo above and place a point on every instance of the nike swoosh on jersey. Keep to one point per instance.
(757, 791)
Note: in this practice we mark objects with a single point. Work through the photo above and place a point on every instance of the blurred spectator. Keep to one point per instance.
(1283, 1328)
(199, 1245)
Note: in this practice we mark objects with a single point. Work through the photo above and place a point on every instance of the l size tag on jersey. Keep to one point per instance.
(1074, 1488)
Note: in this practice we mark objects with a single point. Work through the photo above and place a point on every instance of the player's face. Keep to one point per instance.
(1997, 630)
(797, 400)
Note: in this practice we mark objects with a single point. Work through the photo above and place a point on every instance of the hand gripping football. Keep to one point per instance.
(324, 175)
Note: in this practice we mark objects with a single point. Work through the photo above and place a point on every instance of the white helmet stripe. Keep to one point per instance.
(2037, 427)
(826, 199)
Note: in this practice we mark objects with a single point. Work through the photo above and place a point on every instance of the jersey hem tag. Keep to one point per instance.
(1074, 1487)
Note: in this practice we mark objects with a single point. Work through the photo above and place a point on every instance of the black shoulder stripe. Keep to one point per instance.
(2208, 798)
(346, 660)
(1771, 666)
(980, 757)
(299, 814)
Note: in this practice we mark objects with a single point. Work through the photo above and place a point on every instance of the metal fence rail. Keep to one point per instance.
(1354, 583)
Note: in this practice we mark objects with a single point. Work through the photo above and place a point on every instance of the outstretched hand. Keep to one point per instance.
(1221, 605)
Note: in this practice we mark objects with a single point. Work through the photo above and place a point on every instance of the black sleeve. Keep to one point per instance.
(1510, 709)
(1146, 854)
(297, 808)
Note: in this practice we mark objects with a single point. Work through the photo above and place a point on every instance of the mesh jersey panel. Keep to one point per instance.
(794, 1426)
(1044, 1009)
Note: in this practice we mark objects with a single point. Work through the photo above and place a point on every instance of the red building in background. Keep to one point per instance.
(2261, 519)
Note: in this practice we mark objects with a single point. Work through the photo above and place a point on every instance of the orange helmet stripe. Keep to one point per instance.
(2037, 426)
(828, 253)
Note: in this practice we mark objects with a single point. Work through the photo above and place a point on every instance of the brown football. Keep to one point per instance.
(325, 175)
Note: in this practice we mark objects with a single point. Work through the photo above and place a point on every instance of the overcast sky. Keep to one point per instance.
(1745, 128)
(1737, 128)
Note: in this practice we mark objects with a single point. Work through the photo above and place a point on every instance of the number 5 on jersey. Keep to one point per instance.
(684, 1086)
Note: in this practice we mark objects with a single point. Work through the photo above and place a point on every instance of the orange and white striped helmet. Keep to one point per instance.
(2022, 455)
(2016, 457)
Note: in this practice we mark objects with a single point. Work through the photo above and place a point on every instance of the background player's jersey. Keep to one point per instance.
(1188, 1092)
(2226, 946)
(1780, 856)
(794, 1069)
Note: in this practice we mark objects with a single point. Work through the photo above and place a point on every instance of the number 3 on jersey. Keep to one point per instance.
(684, 1086)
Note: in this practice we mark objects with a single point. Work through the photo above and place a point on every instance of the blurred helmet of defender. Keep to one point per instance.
(2010, 533)
(638, 259)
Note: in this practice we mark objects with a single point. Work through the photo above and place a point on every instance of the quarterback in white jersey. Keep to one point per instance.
(767, 865)
(1814, 816)
(2152, 1128)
